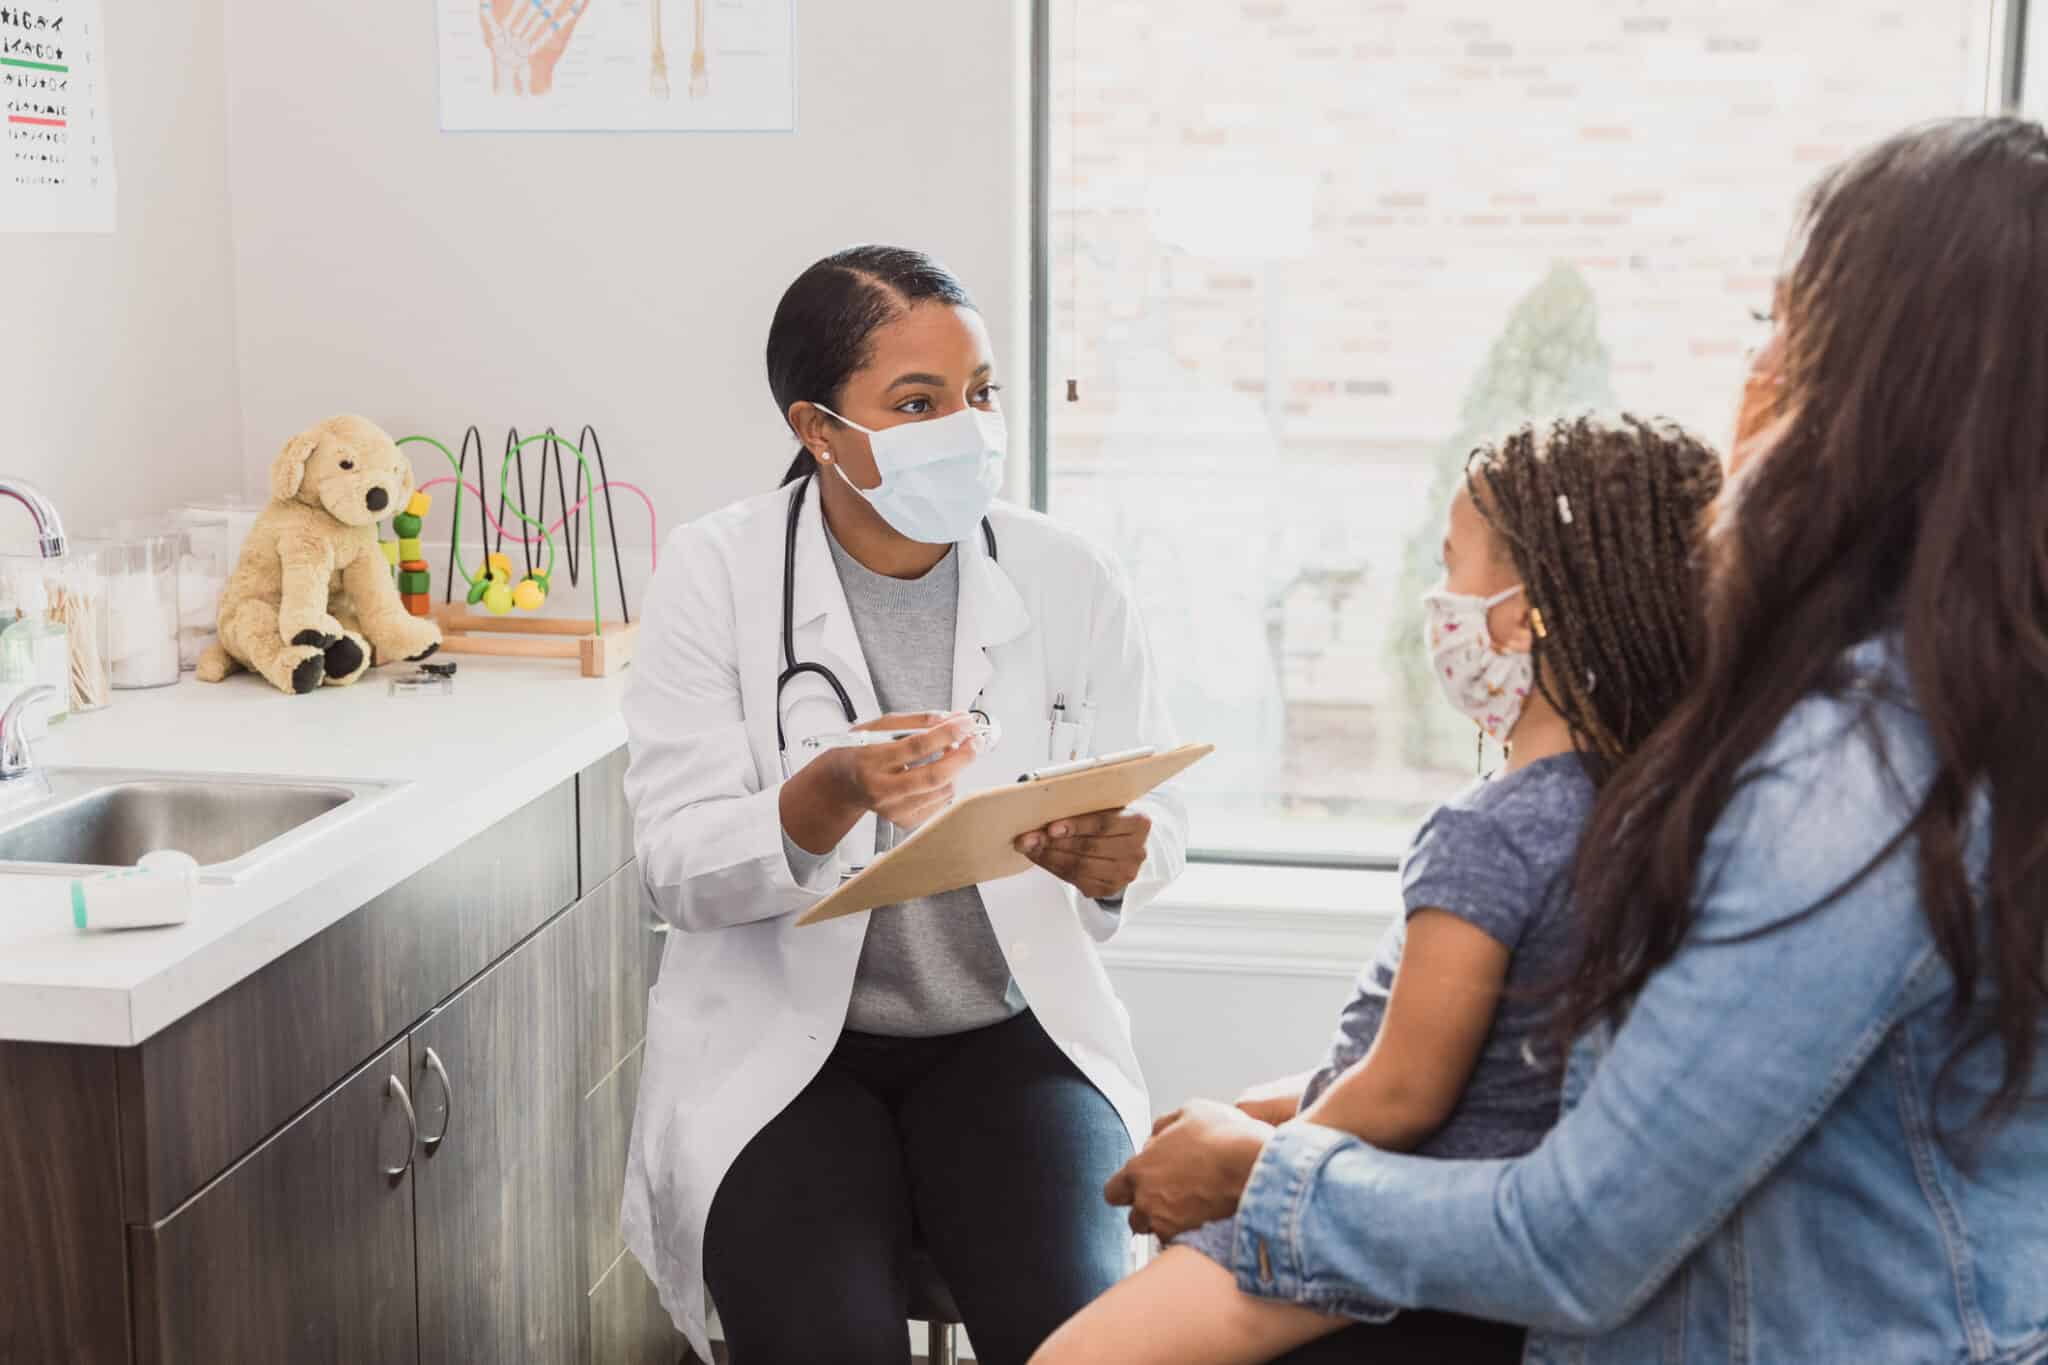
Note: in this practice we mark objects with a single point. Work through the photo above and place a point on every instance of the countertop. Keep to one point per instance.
(512, 730)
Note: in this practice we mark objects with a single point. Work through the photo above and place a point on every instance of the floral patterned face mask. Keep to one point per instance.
(1486, 684)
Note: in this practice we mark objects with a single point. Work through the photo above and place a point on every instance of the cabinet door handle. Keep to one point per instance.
(658, 927)
(396, 1090)
(434, 1064)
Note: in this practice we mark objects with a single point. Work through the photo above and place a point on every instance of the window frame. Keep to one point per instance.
(2005, 90)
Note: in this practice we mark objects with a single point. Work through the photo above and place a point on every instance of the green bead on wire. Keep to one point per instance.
(480, 585)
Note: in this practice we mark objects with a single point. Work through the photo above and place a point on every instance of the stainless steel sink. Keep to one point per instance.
(96, 818)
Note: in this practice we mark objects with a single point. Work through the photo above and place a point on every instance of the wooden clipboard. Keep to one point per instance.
(974, 840)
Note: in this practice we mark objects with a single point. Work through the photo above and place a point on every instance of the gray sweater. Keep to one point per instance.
(933, 965)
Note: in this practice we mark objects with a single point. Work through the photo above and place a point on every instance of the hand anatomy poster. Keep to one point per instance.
(617, 65)
(58, 172)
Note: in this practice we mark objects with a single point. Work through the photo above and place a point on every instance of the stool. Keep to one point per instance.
(931, 1303)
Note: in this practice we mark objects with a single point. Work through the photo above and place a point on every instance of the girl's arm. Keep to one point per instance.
(1437, 1019)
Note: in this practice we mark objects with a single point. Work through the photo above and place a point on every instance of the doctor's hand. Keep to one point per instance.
(1098, 854)
(906, 783)
(1193, 1171)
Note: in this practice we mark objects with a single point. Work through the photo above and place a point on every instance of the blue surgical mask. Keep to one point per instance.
(938, 477)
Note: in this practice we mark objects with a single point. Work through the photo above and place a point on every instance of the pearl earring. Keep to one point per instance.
(825, 456)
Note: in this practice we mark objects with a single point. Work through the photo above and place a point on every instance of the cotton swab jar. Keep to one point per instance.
(77, 585)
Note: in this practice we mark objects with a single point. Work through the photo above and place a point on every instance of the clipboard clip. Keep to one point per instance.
(1084, 764)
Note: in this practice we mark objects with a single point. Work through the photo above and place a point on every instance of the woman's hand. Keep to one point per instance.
(1098, 854)
(905, 783)
(1192, 1172)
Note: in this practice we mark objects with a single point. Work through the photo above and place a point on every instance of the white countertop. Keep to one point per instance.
(512, 730)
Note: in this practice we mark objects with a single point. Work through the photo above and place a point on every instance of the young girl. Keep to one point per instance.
(1566, 626)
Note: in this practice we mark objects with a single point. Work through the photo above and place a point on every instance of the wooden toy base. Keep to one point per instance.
(464, 631)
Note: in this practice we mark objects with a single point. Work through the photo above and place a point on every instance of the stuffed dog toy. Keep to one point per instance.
(312, 600)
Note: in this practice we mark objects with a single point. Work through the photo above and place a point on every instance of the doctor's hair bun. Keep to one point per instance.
(826, 319)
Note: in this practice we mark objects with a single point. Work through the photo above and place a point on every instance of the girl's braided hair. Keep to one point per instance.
(1604, 524)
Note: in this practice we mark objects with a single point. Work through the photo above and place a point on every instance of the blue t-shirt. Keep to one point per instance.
(1498, 856)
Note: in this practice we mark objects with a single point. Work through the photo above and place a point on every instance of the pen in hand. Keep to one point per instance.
(986, 730)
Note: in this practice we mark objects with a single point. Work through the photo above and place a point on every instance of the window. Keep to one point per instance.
(1301, 255)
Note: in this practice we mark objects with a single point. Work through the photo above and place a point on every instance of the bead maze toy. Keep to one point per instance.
(602, 647)
(407, 560)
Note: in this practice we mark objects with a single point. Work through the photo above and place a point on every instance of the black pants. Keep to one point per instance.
(1416, 1339)
(990, 1145)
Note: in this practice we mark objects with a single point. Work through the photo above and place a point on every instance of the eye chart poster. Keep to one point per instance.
(58, 169)
(617, 65)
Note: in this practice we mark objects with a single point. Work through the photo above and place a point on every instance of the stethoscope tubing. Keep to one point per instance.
(791, 669)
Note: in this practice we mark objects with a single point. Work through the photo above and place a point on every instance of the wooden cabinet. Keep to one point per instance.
(604, 824)
(220, 1194)
(210, 1086)
(499, 1263)
(303, 1251)
(63, 1269)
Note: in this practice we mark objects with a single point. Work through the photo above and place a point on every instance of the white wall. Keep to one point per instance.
(117, 369)
(430, 280)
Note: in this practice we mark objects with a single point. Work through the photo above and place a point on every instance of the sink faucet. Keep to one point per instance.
(16, 761)
(49, 526)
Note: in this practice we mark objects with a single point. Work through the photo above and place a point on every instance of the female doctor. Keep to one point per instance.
(955, 1073)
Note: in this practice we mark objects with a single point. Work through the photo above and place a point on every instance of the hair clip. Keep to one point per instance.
(1564, 509)
(1536, 623)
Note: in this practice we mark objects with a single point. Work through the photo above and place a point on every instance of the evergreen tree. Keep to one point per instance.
(1547, 361)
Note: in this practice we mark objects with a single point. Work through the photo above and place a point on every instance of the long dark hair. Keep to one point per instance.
(826, 319)
(1904, 494)
(1603, 521)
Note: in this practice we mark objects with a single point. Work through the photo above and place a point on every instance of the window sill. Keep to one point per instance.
(1247, 919)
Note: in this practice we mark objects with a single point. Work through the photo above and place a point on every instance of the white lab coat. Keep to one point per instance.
(748, 1006)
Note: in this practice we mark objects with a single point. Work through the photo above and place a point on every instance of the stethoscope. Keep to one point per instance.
(791, 669)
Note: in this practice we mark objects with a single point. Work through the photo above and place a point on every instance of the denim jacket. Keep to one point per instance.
(1752, 1167)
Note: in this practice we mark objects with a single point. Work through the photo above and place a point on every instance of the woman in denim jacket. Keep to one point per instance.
(1806, 1113)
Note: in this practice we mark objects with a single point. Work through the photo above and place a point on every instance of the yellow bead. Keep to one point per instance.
(501, 567)
(418, 504)
(497, 599)
(528, 595)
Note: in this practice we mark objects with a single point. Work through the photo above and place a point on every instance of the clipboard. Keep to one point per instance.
(973, 840)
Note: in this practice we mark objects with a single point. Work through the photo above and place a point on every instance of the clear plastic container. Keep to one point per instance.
(36, 652)
(211, 546)
(142, 599)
